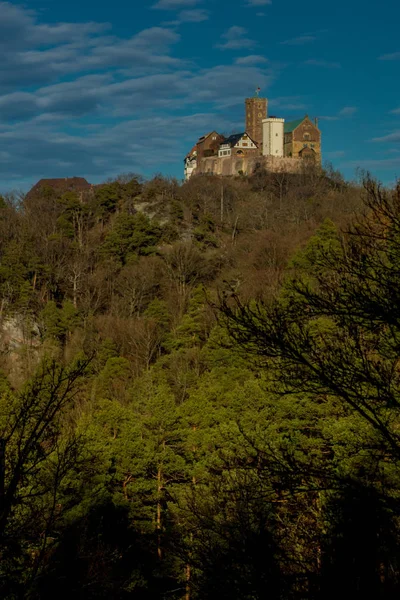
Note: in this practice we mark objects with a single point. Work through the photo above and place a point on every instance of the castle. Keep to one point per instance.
(267, 141)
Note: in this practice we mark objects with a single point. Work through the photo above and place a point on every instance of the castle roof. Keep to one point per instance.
(204, 137)
(292, 125)
(233, 139)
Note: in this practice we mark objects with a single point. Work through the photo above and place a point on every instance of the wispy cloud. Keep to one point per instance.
(34, 54)
(196, 15)
(252, 59)
(326, 64)
(344, 113)
(235, 39)
(288, 103)
(392, 56)
(390, 137)
(395, 111)
(300, 40)
(348, 111)
(82, 97)
(174, 4)
(258, 3)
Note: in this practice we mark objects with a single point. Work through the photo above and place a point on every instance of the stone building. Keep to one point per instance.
(267, 141)
(233, 153)
(208, 145)
(302, 139)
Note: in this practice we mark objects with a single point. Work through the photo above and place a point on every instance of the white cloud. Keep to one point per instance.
(235, 39)
(76, 99)
(174, 4)
(196, 15)
(252, 59)
(300, 40)
(288, 103)
(345, 112)
(328, 118)
(390, 137)
(19, 29)
(393, 56)
(322, 63)
(348, 111)
(258, 2)
(147, 50)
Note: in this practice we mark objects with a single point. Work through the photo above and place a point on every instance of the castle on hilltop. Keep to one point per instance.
(267, 141)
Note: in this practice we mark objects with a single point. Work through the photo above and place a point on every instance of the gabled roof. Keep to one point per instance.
(233, 139)
(204, 137)
(292, 125)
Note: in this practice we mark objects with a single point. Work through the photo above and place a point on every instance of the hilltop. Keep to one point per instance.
(77, 241)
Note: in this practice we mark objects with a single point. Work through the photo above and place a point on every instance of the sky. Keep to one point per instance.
(93, 88)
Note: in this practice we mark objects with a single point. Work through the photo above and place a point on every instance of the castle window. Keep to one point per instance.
(306, 136)
(244, 144)
(276, 135)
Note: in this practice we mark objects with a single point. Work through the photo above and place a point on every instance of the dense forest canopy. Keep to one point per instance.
(200, 389)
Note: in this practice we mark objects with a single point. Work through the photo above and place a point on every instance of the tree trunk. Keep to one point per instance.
(2, 472)
(158, 522)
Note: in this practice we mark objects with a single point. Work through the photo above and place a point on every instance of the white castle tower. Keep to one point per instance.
(273, 136)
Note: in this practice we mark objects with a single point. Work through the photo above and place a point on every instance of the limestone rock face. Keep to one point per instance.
(17, 332)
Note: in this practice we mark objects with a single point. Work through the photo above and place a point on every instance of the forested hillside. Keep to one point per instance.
(200, 389)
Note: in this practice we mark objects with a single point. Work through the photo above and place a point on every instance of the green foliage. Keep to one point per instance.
(193, 329)
(201, 453)
(324, 242)
(59, 321)
(106, 199)
(131, 236)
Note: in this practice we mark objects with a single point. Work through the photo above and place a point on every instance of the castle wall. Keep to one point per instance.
(247, 164)
(282, 164)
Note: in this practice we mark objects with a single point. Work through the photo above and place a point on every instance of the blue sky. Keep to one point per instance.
(94, 88)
